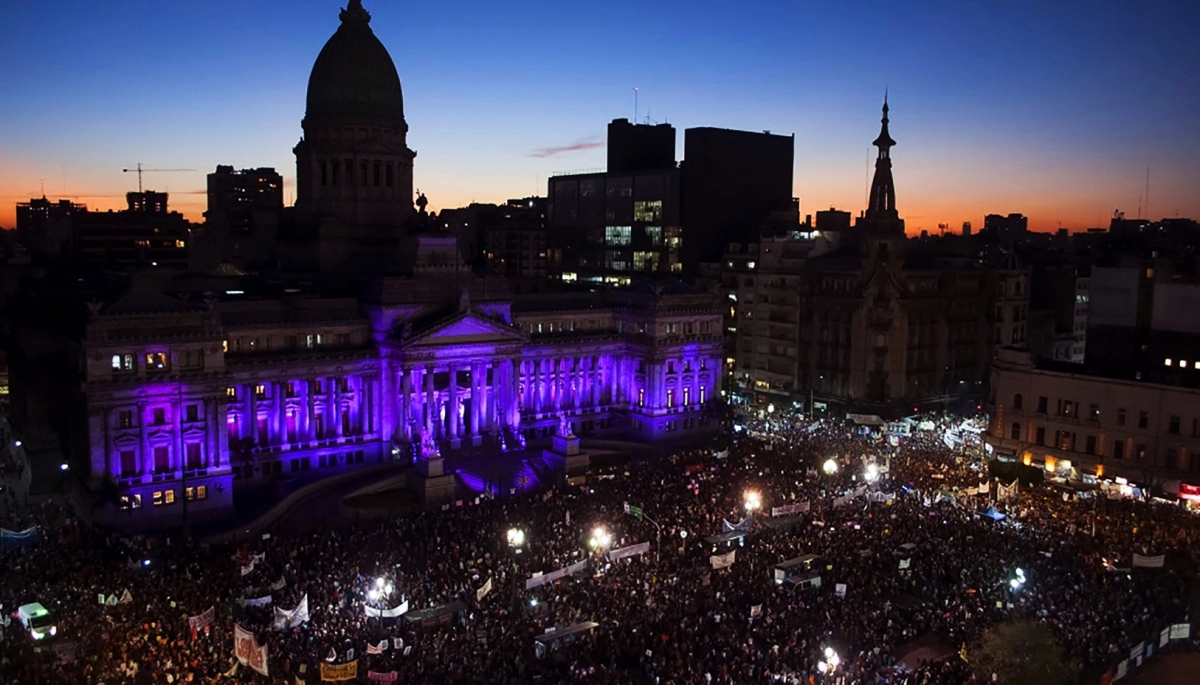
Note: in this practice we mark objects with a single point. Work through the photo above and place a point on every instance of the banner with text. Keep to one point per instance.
(248, 651)
(790, 509)
(720, 561)
(286, 620)
(630, 551)
(331, 674)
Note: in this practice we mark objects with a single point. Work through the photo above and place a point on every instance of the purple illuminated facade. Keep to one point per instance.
(185, 403)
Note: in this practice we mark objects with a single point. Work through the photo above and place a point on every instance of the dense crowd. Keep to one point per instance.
(663, 617)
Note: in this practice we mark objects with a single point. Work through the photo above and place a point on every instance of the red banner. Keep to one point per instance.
(1189, 492)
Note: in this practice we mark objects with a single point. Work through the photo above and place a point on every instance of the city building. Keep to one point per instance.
(46, 227)
(640, 147)
(864, 319)
(1059, 307)
(1005, 228)
(613, 226)
(242, 219)
(733, 181)
(1086, 422)
(145, 234)
(516, 242)
(170, 397)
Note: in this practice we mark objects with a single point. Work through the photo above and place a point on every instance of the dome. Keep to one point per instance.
(354, 74)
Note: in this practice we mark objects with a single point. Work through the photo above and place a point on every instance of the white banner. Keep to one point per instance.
(286, 620)
(1148, 562)
(756, 611)
(483, 591)
(905, 563)
(197, 622)
(1181, 631)
(630, 551)
(790, 509)
(248, 651)
(257, 601)
(720, 561)
(541, 579)
(1164, 637)
(278, 585)
(840, 589)
(388, 613)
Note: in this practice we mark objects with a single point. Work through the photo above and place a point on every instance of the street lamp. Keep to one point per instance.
(600, 539)
(830, 467)
(831, 661)
(516, 537)
(753, 501)
(872, 473)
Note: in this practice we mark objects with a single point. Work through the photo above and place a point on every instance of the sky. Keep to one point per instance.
(1052, 109)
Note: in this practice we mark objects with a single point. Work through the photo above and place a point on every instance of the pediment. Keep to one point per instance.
(468, 328)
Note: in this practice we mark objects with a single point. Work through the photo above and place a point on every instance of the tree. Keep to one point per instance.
(1019, 653)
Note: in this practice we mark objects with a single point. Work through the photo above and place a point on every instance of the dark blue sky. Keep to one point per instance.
(1054, 109)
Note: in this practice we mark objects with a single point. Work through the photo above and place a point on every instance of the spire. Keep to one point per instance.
(354, 14)
(882, 204)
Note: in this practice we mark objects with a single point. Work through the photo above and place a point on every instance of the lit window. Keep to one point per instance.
(131, 502)
(158, 498)
(641, 397)
(670, 398)
(308, 341)
(750, 265)
(224, 345)
(116, 362)
(1183, 363)
(231, 392)
(1167, 362)
(687, 396)
(169, 497)
(618, 235)
(180, 244)
(157, 361)
(260, 390)
(201, 492)
(702, 394)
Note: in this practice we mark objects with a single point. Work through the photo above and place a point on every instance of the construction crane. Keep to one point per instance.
(140, 170)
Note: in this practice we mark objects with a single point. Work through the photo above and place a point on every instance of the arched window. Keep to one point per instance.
(1016, 432)
(1018, 400)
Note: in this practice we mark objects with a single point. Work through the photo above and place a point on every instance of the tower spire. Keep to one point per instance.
(355, 13)
(882, 204)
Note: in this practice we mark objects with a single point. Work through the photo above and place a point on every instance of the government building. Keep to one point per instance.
(370, 342)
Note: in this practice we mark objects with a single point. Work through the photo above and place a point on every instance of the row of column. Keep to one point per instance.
(150, 438)
(328, 413)
(442, 412)
(558, 384)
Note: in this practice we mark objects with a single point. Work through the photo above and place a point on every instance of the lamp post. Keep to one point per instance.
(601, 540)
(752, 501)
(515, 538)
(830, 467)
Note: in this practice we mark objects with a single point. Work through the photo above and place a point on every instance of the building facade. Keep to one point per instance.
(1077, 422)
(863, 319)
(184, 402)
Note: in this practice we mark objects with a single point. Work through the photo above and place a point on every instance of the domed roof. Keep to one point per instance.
(354, 74)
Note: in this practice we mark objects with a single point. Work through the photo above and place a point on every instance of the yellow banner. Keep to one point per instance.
(340, 672)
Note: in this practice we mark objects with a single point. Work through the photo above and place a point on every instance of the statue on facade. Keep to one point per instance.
(564, 427)
(429, 448)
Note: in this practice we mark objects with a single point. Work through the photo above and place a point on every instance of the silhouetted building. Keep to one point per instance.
(516, 242)
(145, 234)
(833, 220)
(966, 228)
(354, 170)
(242, 219)
(1059, 313)
(1005, 228)
(732, 182)
(46, 227)
(863, 320)
(640, 147)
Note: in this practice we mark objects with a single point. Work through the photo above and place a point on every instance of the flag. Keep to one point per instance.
(376, 649)
(332, 655)
(232, 669)
(741, 526)
(962, 653)
(633, 510)
(111, 601)
(285, 620)
(756, 611)
(127, 598)
(720, 561)
(483, 591)
(279, 584)
(1148, 562)
(197, 622)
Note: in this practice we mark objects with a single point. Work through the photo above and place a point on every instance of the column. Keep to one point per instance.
(597, 379)
(406, 404)
(112, 464)
(180, 460)
(209, 459)
(452, 407)
(391, 397)
(511, 395)
(311, 406)
(221, 419)
(281, 412)
(476, 395)
(429, 409)
(336, 395)
(250, 416)
(147, 455)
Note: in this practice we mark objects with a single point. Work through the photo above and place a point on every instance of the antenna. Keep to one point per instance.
(635, 104)
(42, 181)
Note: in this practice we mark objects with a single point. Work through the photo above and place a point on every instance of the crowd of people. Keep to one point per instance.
(904, 558)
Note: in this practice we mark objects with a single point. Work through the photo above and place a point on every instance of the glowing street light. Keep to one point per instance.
(830, 467)
(600, 539)
(872, 473)
(831, 661)
(753, 501)
(516, 537)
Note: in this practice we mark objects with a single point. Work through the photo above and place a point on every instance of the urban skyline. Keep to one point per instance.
(1035, 126)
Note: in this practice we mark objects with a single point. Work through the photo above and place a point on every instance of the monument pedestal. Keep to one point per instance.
(564, 455)
(429, 481)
